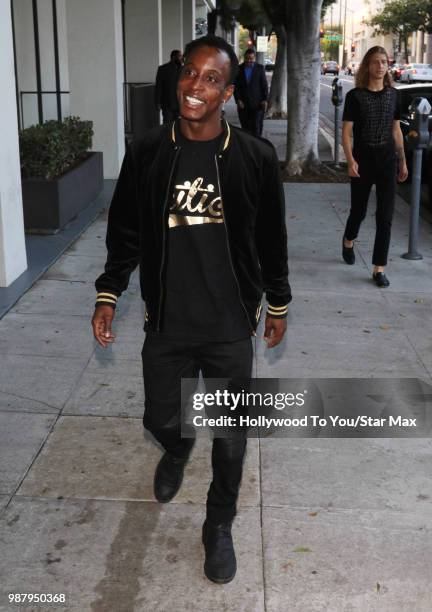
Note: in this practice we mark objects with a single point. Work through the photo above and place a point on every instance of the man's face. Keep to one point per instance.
(178, 59)
(202, 85)
(378, 66)
(249, 59)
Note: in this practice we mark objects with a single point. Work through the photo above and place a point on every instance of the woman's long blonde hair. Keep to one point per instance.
(362, 74)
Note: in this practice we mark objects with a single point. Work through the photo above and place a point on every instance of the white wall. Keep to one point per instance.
(95, 51)
(26, 62)
(172, 27)
(47, 59)
(13, 260)
(25, 56)
(143, 33)
(188, 21)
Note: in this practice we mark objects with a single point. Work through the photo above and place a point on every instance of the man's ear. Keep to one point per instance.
(229, 90)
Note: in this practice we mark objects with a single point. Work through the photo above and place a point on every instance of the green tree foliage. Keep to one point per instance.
(425, 10)
(331, 47)
(325, 5)
(401, 17)
(249, 13)
(296, 22)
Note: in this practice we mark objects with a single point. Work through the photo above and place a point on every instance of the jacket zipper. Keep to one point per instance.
(164, 236)
(229, 250)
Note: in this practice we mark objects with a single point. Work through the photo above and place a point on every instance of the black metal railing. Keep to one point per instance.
(39, 95)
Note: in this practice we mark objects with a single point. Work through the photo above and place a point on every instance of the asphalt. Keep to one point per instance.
(337, 524)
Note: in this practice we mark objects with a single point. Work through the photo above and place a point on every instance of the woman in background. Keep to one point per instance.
(377, 156)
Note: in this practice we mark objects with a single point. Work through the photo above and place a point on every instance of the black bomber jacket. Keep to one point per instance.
(254, 213)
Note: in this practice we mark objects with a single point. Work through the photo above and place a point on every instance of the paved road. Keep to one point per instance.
(327, 110)
(326, 106)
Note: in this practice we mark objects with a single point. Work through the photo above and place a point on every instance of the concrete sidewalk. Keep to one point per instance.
(323, 524)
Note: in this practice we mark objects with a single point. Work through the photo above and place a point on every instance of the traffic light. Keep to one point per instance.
(321, 32)
(353, 48)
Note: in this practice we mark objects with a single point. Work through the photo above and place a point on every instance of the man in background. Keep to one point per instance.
(251, 93)
(166, 86)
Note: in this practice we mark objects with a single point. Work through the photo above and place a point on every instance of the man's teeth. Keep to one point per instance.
(194, 101)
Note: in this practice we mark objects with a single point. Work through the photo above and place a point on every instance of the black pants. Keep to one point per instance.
(379, 167)
(251, 120)
(165, 361)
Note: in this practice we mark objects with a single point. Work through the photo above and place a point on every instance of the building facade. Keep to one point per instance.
(73, 57)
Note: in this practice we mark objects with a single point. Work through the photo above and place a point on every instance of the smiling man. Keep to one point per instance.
(199, 205)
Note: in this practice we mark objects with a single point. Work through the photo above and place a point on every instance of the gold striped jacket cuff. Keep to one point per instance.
(278, 312)
(103, 297)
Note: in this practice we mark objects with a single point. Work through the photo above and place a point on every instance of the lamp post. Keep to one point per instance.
(344, 30)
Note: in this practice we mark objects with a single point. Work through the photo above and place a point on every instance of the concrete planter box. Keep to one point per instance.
(50, 204)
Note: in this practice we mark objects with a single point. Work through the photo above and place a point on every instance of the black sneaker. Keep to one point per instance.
(220, 562)
(169, 475)
(348, 253)
(381, 279)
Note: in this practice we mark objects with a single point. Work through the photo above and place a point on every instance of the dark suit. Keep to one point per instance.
(252, 94)
(166, 90)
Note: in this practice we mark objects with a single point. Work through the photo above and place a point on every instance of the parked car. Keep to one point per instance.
(416, 72)
(330, 66)
(200, 26)
(406, 94)
(396, 70)
(352, 68)
(269, 64)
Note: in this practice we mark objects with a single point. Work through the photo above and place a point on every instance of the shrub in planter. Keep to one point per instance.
(60, 175)
(49, 149)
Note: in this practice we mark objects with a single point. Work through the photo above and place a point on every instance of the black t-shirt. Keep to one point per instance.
(373, 113)
(202, 297)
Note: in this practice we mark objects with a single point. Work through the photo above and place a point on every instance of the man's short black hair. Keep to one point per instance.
(249, 52)
(218, 43)
(174, 53)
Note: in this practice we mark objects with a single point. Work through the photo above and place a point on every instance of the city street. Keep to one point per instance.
(326, 106)
(323, 524)
(331, 516)
(327, 110)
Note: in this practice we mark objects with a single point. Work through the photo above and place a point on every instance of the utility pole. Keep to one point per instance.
(344, 32)
(340, 55)
(260, 55)
(331, 32)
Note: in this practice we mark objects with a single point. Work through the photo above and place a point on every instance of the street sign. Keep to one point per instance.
(262, 44)
(337, 37)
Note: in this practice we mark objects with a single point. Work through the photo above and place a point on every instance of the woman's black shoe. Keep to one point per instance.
(381, 279)
(220, 562)
(348, 253)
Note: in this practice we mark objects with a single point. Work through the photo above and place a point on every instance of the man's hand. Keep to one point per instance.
(274, 330)
(240, 104)
(403, 172)
(101, 322)
(353, 169)
(264, 106)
